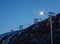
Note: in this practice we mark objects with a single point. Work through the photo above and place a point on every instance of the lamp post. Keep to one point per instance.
(50, 14)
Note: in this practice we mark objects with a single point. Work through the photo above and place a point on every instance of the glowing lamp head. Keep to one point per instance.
(41, 13)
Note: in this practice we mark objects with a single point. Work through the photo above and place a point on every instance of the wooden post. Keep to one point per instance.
(51, 29)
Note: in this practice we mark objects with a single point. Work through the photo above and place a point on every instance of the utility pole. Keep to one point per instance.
(51, 29)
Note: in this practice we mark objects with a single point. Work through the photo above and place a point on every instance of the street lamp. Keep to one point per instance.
(50, 14)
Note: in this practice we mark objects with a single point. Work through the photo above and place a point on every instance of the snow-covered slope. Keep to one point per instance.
(38, 33)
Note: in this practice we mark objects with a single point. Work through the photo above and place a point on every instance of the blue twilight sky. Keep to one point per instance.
(16, 12)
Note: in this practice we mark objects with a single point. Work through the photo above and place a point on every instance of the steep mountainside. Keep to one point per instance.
(38, 33)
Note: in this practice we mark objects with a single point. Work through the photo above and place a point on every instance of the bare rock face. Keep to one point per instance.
(38, 33)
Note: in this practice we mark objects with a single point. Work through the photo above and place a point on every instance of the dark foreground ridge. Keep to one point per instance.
(38, 33)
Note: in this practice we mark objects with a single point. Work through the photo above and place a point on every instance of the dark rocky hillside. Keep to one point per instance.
(38, 33)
